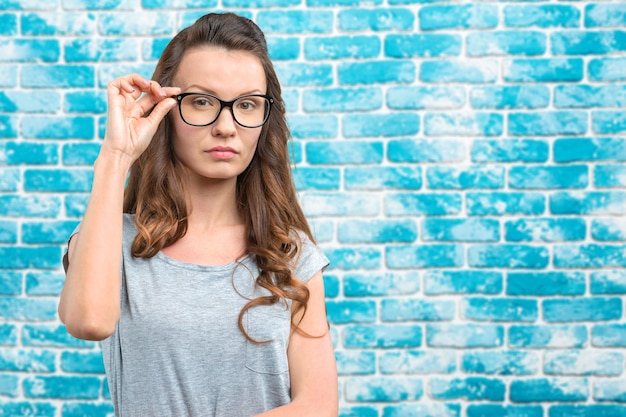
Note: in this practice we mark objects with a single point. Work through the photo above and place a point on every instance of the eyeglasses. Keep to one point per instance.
(201, 109)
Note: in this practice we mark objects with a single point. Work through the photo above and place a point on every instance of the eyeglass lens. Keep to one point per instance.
(204, 109)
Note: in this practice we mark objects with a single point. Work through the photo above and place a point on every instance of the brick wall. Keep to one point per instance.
(462, 165)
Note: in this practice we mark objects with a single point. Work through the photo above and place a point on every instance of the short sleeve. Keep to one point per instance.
(310, 260)
(66, 260)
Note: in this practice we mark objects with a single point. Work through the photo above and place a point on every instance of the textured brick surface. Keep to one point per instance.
(462, 164)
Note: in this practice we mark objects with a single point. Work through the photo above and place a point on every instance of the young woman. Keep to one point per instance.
(194, 264)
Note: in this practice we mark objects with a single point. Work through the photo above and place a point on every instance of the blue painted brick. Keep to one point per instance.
(608, 121)
(609, 176)
(127, 24)
(500, 309)
(605, 15)
(510, 97)
(376, 231)
(587, 410)
(471, 388)
(542, 16)
(44, 283)
(425, 97)
(9, 386)
(497, 410)
(547, 336)
(402, 204)
(589, 149)
(58, 76)
(462, 71)
(417, 310)
(419, 150)
(375, 19)
(56, 127)
(464, 335)
(16, 153)
(385, 177)
(29, 206)
(351, 311)
(331, 286)
(545, 230)
(304, 74)
(151, 49)
(462, 16)
(424, 256)
(317, 179)
(608, 335)
(548, 123)
(8, 334)
(543, 70)
(358, 411)
(20, 360)
(9, 179)
(295, 21)
(30, 101)
(418, 362)
(441, 177)
(80, 153)
(498, 203)
(313, 126)
(589, 256)
(373, 125)
(8, 126)
(545, 283)
(582, 309)
(583, 363)
(355, 363)
(48, 232)
(58, 180)
(373, 72)
(587, 42)
(30, 50)
(62, 387)
(85, 102)
(8, 24)
(473, 124)
(23, 408)
(503, 43)
(344, 152)
(283, 48)
(462, 230)
(27, 309)
(501, 363)
(342, 99)
(175, 4)
(78, 409)
(82, 362)
(510, 150)
(342, 47)
(607, 69)
(585, 96)
(462, 282)
(382, 336)
(47, 335)
(354, 258)
(592, 202)
(11, 282)
(320, 204)
(508, 256)
(608, 282)
(326, 3)
(9, 76)
(549, 389)
(610, 390)
(8, 230)
(18, 257)
(380, 284)
(91, 5)
(422, 410)
(422, 45)
(107, 72)
(53, 23)
(608, 229)
(383, 389)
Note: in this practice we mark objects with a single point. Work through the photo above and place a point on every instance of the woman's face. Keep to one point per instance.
(223, 149)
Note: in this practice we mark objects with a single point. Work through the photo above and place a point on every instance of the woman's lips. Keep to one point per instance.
(222, 152)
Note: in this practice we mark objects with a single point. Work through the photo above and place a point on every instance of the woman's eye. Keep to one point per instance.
(201, 102)
(247, 105)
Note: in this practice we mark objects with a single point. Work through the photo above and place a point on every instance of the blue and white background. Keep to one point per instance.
(462, 164)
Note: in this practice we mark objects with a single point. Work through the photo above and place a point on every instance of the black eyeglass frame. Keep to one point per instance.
(223, 103)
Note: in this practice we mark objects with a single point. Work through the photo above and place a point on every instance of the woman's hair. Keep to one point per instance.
(266, 195)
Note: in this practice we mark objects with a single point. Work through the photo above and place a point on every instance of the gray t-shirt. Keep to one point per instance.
(177, 350)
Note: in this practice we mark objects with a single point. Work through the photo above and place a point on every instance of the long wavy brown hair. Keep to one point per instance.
(265, 194)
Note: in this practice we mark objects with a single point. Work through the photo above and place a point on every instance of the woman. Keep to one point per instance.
(201, 277)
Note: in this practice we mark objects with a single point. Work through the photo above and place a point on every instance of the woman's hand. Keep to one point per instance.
(132, 118)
